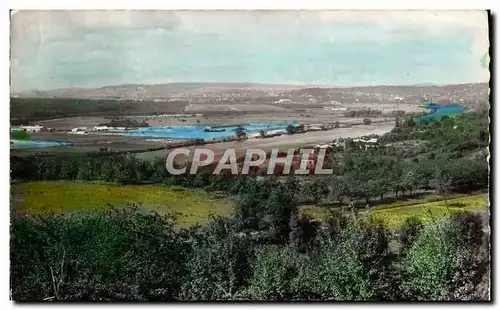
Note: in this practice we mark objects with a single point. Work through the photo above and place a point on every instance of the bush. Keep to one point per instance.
(131, 255)
(113, 255)
(448, 261)
(19, 135)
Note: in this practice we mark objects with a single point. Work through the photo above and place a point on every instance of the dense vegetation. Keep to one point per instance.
(19, 135)
(25, 110)
(128, 255)
(125, 122)
(37, 108)
(363, 112)
(268, 250)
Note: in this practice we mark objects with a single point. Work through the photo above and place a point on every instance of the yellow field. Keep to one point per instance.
(395, 214)
(195, 206)
(192, 206)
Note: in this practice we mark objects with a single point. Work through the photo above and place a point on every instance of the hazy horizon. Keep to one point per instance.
(251, 83)
(91, 49)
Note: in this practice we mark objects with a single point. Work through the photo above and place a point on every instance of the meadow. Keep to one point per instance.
(394, 216)
(191, 206)
(426, 209)
(194, 206)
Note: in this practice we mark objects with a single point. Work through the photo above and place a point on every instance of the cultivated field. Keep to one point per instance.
(195, 206)
(221, 107)
(429, 208)
(192, 206)
(395, 214)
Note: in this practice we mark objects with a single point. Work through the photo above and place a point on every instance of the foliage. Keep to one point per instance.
(219, 264)
(112, 255)
(19, 135)
(125, 122)
(396, 214)
(266, 249)
(38, 108)
(290, 129)
(443, 266)
(127, 254)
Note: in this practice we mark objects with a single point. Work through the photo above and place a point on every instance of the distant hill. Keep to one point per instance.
(176, 90)
(143, 91)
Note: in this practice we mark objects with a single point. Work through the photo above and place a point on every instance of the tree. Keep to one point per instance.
(426, 269)
(240, 134)
(447, 261)
(338, 189)
(277, 275)
(408, 233)
(262, 134)
(410, 122)
(354, 263)
(19, 135)
(367, 121)
(219, 264)
(397, 122)
(314, 190)
(483, 136)
(290, 129)
(442, 183)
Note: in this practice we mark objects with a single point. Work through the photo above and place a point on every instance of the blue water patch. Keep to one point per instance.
(28, 144)
(442, 110)
(203, 132)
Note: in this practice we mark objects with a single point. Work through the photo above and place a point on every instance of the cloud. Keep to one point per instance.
(98, 19)
(51, 49)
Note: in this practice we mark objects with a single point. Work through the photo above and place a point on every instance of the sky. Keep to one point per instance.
(64, 49)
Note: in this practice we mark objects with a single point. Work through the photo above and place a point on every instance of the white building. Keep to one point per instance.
(323, 146)
(79, 131)
(365, 144)
(334, 109)
(277, 131)
(253, 135)
(284, 101)
(101, 128)
(36, 128)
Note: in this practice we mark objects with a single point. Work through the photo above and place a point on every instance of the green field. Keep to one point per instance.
(192, 206)
(394, 214)
(195, 206)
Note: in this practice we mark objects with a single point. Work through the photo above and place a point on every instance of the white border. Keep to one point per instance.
(192, 4)
(256, 4)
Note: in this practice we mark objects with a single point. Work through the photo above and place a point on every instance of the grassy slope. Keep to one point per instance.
(394, 214)
(193, 206)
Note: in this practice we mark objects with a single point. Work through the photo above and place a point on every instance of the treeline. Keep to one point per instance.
(453, 158)
(124, 122)
(359, 176)
(362, 113)
(127, 255)
(38, 108)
